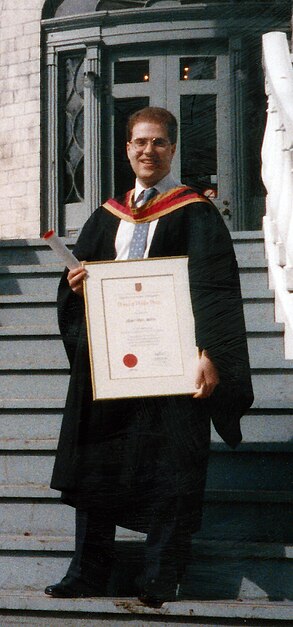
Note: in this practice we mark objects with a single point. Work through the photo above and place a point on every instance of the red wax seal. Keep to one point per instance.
(48, 234)
(129, 360)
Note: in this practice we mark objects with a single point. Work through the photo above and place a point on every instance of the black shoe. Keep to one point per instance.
(152, 601)
(154, 592)
(71, 588)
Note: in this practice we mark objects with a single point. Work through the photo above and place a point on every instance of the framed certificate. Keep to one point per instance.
(140, 328)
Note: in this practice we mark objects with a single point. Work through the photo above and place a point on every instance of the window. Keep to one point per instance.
(64, 8)
(200, 68)
(131, 71)
(71, 116)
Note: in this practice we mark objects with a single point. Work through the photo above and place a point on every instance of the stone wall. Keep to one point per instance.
(20, 118)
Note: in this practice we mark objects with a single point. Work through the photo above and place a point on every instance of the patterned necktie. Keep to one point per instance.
(140, 233)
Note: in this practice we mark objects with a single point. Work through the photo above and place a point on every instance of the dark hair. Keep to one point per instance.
(154, 114)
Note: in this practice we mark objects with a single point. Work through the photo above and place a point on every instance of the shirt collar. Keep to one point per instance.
(166, 183)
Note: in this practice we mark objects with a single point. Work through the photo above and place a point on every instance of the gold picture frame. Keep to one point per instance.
(140, 328)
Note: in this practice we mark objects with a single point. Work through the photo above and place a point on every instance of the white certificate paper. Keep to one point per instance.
(140, 328)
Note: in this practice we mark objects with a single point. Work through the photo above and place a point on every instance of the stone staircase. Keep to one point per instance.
(242, 557)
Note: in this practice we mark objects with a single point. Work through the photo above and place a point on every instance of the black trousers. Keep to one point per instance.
(167, 550)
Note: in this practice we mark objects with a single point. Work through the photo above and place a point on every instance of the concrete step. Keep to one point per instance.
(272, 388)
(33, 329)
(246, 470)
(253, 280)
(249, 248)
(44, 280)
(255, 516)
(34, 608)
(25, 429)
(267, 347)
(217, 571)
(251, 516)
(258, 309)
(38, 402)
(29, 387)
(47, 545)
(263, 430)
(17, 404)
(40, 310)
(248, 245)
(41, 348)
(21, 311)
(245, 497)
(19, 314)
(32, 430)
(30, 280)
(27, 473)
(32, 353)
(29, 252)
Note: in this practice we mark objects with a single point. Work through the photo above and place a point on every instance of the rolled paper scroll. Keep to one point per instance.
(61, 250)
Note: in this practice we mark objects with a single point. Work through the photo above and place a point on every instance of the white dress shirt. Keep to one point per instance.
(125, 229)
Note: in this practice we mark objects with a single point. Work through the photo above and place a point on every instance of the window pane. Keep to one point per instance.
(197, 68)
(62, 8)
(199, 141)
(111, 5)
(75, 7)
(131, 71)
(123, 108)
(72, 129)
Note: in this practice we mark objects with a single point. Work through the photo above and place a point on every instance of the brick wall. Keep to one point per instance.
(20, 118)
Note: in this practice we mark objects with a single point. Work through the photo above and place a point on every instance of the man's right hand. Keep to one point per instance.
(75, 279)
(207, 377)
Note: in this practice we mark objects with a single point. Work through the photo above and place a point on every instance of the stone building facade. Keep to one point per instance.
(23, 156)
(20, 170)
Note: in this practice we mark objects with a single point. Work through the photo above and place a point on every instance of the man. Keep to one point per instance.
(141, 462)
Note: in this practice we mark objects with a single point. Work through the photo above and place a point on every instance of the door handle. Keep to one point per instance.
(226, 211)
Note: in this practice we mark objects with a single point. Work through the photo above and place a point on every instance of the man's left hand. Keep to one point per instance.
(206, 378)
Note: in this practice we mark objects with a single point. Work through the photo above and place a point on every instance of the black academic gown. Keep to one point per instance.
(140, 459)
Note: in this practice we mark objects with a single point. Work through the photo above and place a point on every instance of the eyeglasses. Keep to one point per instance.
(139, 143)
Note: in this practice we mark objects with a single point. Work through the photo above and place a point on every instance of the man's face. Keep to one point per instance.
(150, 162)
